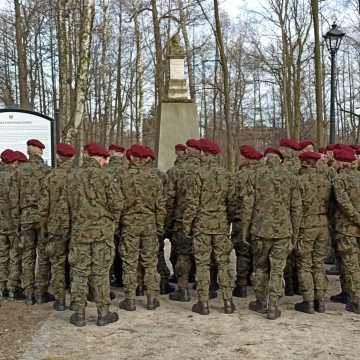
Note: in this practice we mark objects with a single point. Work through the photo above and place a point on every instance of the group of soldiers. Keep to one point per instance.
(281, 212)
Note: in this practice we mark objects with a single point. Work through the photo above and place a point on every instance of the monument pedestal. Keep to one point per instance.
(179, 122)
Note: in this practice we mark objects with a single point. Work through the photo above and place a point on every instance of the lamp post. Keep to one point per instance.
(333, 40)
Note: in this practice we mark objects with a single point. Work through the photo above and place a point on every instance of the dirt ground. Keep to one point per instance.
(173, 332)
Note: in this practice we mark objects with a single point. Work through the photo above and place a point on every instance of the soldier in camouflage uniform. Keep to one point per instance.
(249, 158)
(95, 204)
(9, 225)
(117, 166)
(314, 237)
(176, 204)
(272, 214)
(142, 223)
(32, 240)
(207, 218)
(55, 221)
(347, 223)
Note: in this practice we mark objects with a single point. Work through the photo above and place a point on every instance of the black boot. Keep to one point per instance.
(44, 298)
(240, 291)
(353, 307)
(165, 287)
(59, 305)
(201, 308)
(173, 279)
(128, 305)
(18, 294)
(229, 306)
(152, 302)
(182, 295)
(305, 307)
(29, 299)
(273, 312)
(140, 291)
(258, 307)
(78, 318)
(319, 306)
(342, 298)
(106, 317)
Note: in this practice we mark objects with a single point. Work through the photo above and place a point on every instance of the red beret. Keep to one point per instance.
(65, 150)
(303, 144)
(193, 143)
(322, 150)
(344, 155)
(149, 152)
(289, 143)
(7, 156)
(209, 147)
(139, 151)
(20, 156)
(271, 150)
(36, 143)
(128, 154)
(310, 155)
(117, 148)
(332, 147)
(180, 147)
(94, 149)
(250, 152)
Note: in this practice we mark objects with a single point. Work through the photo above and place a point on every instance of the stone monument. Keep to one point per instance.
(179, 117)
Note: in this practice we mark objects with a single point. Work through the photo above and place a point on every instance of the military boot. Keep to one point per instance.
(2, 295)
(18, 294)
(342, 298)
(44, 298)
(229, 306)
(59, 305)
(353, 307)
(78, 318)
(173, 279)
(106, 317)
(201, 308)
(240, 291)
(165, 287)
(319, 306)
(128, 305)
(140, 291)
(29, 299)
(180, 295)
(258, 306)
(273, 312)
(305, 307)
(152, 302)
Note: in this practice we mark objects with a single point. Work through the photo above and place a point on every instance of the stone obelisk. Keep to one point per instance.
(179, 117)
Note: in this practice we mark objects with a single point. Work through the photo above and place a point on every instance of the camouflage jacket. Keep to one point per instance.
(95, 203)
(208, 200)
(9, 201)
(347, 193)
(272, 202)
(292, 164)
(144, 198)
(31, 175)
(117, 165)
(316, 189)
(53, 206)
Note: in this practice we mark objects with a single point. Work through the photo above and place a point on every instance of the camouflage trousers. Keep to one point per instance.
(313, 248)
(57, 249)
(349, 250)
(140, 243)
(220, 246)
(32, 244)
(244, 258)
(184, 249)
(269, 263)
(10, 263)
(90, 264)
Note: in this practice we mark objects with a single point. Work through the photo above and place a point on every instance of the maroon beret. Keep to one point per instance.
(322, 150)
(139, 151)
(117, 148)
(193, 143)
(7, 156)
(65, 150)
(20, 156)
(332, 147)
(180, 147)
(289, 143)
(303, 144)
(310, 155)
(271, 150)
(149, 152)
(36, 143)
(128, 154)
(344, 155)
(94, 149)
(250, 152)
(209, 147)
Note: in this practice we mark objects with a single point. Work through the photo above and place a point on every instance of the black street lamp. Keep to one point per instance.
(333, 40)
